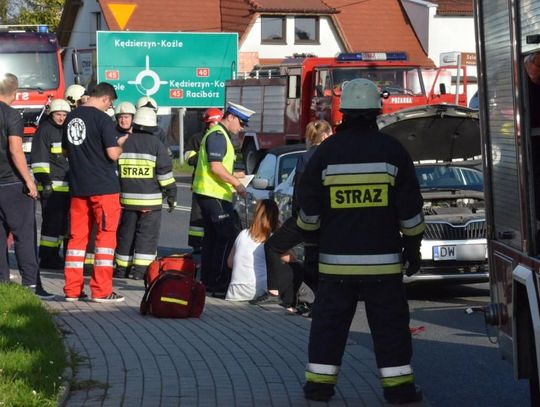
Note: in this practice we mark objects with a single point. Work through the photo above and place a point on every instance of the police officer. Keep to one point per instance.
(124, 113)
(145, 175)
(50, 169)
(213, 186)
(368, 209)
(211, 117)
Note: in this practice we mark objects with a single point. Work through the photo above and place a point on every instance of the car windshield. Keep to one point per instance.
(287, 164)
(267, 168)
(449, 177)
(35, 70)
(393, 80)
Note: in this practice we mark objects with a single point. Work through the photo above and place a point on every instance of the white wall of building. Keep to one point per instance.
(450, 34)
(328, 46)
(83, 37)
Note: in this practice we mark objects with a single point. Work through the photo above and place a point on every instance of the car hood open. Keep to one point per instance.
(435, 132)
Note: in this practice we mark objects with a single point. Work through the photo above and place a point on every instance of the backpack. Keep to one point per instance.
(172, 290)
(176, 263)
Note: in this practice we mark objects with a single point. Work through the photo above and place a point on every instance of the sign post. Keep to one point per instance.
(176, 69)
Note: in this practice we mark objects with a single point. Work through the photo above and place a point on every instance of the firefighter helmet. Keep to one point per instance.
(360, 94)
(73, 94)
(145, 116)
(59, 105)
(212, 115)
(125, 108)
(147, 101)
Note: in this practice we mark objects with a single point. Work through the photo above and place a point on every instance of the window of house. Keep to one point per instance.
(306, 30)
(273, 30)
(95, 25)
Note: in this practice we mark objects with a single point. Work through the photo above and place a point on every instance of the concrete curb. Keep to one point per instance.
(67, 375)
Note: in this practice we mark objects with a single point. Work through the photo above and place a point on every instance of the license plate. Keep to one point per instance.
(444, 253)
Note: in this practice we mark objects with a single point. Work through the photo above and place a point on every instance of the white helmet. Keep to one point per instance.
(59, 105)
(124, 108)
(145, 116)
(147, 101)
(360, 94)
(73, 94)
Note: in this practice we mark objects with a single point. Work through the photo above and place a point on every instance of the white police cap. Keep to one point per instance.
(243, 113)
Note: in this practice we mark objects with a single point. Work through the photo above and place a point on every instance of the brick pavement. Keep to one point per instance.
(236, 354)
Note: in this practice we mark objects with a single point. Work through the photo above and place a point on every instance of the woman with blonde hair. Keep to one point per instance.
(285, 279)
(247, 258)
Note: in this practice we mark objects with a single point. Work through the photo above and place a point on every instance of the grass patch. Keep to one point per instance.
(182, 169)
(32, 356)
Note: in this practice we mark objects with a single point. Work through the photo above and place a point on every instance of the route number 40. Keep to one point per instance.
(203, 72)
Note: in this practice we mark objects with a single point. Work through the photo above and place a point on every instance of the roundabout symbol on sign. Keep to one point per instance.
(144, 73)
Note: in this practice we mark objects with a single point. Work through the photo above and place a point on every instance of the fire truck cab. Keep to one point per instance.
(33, 55)
(288, 96)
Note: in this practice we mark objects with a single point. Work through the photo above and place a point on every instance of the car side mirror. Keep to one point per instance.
(259, 183)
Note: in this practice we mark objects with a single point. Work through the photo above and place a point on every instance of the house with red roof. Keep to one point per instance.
(268, 30)
(442, 25)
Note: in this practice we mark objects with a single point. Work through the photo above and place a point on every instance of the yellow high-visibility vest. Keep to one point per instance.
(206, 182)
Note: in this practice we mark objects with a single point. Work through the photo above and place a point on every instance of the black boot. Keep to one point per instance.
(318, 391)
(409, 393)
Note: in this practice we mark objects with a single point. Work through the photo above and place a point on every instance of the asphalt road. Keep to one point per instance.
(455, 361)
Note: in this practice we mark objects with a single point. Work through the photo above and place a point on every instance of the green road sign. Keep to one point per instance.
(176, 69)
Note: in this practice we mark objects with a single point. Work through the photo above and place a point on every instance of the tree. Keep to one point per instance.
(39, 12)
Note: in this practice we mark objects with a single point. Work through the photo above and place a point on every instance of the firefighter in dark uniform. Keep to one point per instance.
(360, 191)
(213, 186)
(145, 175)
(50, 169)
(123, 114)
(211, 117)
(147, 101)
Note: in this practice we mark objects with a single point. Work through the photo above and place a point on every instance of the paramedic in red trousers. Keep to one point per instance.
(211, 117)
(90, 141)
(50, 169)
(17, 193)
(213, 186)
(145, 176)
(360, 191)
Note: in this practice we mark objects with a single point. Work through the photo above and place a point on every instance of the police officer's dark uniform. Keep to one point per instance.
(211, 117)
(360, 190)
(145, 175)
(214, 195)
(50, 168)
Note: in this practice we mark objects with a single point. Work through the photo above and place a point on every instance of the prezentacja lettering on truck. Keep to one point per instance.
(508, 37)
(299, 90)
(33, 55)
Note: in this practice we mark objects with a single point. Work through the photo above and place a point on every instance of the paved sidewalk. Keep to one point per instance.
(234, 355)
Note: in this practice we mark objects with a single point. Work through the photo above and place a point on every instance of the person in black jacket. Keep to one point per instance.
(284, 278)
(211, 117)
(360, 191)
(145, 175)
(50, 169)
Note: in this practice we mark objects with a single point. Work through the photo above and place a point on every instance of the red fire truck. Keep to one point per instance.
(33, 55)
(508, 45)
(288, 96)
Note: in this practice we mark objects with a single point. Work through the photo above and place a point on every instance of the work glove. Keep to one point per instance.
(411, 254)
(171, 202)
(47, 191)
